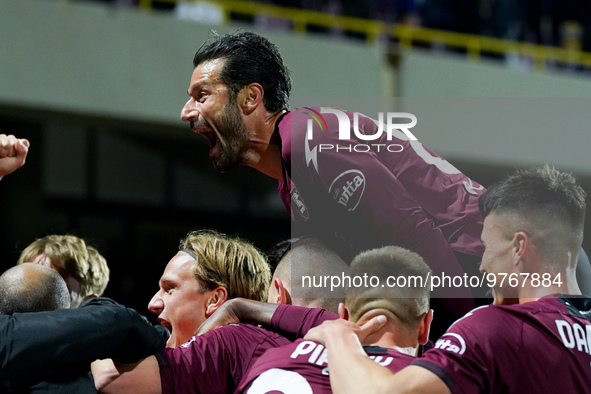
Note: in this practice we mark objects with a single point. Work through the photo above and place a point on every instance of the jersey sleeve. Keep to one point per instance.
(469, 356)
(216, 361)
(294, 322)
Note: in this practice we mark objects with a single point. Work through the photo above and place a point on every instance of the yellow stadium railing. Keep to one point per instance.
(474, 45)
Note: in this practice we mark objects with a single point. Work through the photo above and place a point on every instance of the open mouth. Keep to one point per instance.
(166, 325)
(206, 132)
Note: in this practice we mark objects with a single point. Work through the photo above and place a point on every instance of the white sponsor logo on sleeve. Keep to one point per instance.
(348, 188)
(455, 344)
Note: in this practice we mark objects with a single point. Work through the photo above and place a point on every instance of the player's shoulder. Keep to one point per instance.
(492, 311)
(99, 301)
(487, 320)
(492, 319)
(231, 337)
(481, 328)
(574, 305)
(247, 333)
(483, 312)
(561, 305)
(579, 306)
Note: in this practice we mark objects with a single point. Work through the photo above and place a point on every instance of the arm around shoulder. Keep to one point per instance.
(140, 378)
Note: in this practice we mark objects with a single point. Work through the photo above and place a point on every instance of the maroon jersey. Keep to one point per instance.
(301, 367)
(541, 346)
(216, 361)
(376, 193)
(295, 321)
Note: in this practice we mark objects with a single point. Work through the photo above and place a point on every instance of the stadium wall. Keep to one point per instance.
(122, 63)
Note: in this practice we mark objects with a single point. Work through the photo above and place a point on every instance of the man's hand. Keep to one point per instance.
(335, 329)
(13, 153)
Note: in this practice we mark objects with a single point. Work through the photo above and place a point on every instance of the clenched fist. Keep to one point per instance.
(13, 153)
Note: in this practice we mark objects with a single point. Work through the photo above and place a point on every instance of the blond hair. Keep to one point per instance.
(229, 262)
(98, 273)
(71, 256)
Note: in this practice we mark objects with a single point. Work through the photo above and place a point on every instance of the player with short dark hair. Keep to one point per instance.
(306, 257)
(301, 367)
(249, 58)
(277, 252)
(533, 230)
(545, 203)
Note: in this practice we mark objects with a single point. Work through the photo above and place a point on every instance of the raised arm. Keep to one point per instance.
(13, 153)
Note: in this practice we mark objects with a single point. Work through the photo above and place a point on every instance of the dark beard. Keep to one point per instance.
(236, 139)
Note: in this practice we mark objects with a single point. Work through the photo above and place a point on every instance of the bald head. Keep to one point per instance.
(32, 288)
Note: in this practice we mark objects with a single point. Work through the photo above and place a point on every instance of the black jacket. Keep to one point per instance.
(52, 351)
